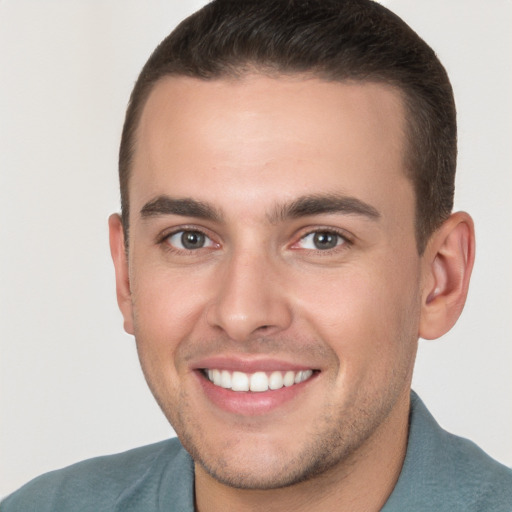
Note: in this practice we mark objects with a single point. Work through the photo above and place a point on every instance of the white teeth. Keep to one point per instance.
(302, 376)
(259, 382)
(276, 380)
(289, 379)
(216, 377)
(256, 382)
(306, 374)
(239, 381)
(225, 379)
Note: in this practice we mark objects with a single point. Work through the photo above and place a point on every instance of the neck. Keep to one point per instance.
(363, 481)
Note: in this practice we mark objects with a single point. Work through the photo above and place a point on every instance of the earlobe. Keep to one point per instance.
(119, 257)
(448, 262)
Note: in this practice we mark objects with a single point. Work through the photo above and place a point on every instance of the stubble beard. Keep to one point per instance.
(335, 441)
(334, 446)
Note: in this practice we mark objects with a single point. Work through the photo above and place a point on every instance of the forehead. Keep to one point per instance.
(268, 137)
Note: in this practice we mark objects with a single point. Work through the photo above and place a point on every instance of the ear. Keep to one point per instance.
(447, 265)
(119, 257)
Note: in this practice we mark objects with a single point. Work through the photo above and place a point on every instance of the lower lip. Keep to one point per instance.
(247, 403)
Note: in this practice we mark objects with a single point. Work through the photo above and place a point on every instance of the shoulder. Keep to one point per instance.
(472, 475)
(444, 472)
(103, 483)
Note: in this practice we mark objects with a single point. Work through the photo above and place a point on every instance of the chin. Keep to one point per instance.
(263, 476)
(262, 464)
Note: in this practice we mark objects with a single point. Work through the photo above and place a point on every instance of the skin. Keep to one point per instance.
(260, 292)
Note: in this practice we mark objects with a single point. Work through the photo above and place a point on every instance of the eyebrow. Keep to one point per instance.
(185, 207)
(304, 206)
(317, 204)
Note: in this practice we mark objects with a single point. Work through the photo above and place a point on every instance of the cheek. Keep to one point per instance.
(166, 311)
(369, 318)
(167, 307)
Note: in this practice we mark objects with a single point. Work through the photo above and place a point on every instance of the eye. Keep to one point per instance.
(189, 240)
(321, 240)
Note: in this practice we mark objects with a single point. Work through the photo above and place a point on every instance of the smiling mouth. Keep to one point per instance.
(257, 382)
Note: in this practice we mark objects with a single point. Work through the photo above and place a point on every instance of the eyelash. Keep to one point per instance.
(162, 240)
(346, 241)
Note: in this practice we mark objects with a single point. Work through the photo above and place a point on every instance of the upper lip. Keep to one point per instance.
(249, 365)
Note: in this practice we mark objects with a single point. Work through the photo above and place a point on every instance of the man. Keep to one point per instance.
(286, 235)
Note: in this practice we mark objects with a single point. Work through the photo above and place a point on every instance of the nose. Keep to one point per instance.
(249, 301)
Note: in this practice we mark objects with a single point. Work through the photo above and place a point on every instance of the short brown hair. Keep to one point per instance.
(335, 40)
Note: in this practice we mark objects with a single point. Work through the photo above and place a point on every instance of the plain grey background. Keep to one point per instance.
(71, 387)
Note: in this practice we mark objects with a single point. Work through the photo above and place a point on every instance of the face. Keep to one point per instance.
(274, 280)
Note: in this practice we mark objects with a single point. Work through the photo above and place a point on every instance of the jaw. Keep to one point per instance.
(272, 444)
(270, 484)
